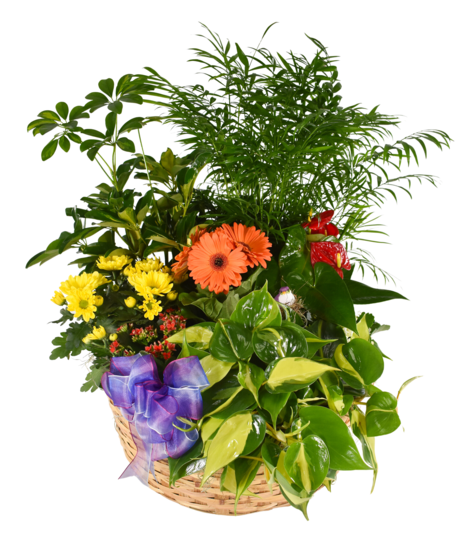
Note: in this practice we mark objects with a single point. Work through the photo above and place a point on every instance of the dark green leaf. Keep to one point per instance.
(326, 424)
(49, 150)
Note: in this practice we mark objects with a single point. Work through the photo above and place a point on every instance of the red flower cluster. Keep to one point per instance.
(172, 323)
(320, 224)
(164, 349)
(118, 350)
(143, 335)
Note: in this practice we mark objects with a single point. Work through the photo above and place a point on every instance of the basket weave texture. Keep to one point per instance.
(210, 498)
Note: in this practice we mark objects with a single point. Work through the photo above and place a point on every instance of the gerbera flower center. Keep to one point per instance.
(218, 261)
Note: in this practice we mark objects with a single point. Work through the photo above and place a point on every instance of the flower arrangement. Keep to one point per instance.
(220, 313)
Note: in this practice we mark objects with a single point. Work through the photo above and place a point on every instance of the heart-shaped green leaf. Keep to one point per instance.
(278, 342)
(307, 462)
(326, 424)
(382, 417)
(273, 403)
(365, 358)
(359, 428)
(238, 435)
(257, 310)
(293, 373)
(231, 341)
(251, 377)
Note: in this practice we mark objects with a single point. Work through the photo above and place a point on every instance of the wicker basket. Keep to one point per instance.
(187, 491)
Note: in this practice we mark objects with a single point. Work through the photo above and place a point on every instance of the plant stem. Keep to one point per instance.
(148, 177)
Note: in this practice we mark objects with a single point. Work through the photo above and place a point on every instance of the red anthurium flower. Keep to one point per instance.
(320, 224)
(331, 253)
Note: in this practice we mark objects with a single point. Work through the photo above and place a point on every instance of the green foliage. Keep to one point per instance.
(276, 142)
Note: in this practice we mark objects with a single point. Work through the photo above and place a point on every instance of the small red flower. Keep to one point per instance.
(320, 224)
(331, 253)
(166, 356)
(114, 346)
(162, 328)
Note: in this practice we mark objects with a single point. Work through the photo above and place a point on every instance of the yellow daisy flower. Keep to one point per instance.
(113, 263)
(151, 307)
(58, 298)
(129, 270)
(150, 264)
(153, 282)
(83, 281)
(82, 302)
(97, 333)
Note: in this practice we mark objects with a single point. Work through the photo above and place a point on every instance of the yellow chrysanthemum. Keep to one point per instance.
(98, 300)
(97, 333)
(154, 282)
(151, 307)
(82, 302)
(58, 298)
(113, 263)
(150, 264)
(83, 281)
(172, 295)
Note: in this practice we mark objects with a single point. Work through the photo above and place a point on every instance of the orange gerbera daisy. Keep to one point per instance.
(214, 263)
(253, 242)
(180, 269)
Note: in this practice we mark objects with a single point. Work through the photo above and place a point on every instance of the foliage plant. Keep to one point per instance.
(249, 268)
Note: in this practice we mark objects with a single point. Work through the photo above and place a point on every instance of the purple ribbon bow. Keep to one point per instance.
(153, 408)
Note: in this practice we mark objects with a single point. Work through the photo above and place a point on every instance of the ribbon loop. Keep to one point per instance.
(152, 407)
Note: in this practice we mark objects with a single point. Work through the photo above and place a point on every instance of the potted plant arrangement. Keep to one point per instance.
(219, 306)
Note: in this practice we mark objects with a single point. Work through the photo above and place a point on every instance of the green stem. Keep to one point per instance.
(148, 177)
(98, 162)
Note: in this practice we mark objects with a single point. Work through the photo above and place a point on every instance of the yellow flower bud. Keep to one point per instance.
(98, 300)
(58, 298)
(130, 302)
(173, 295)
(113, 337)
(97, 333)
(115, 287)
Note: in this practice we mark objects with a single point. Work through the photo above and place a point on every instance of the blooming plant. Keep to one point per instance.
(221, 314)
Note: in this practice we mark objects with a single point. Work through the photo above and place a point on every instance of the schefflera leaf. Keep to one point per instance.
(327, 425)
(307, 462)
(361, 363)
(293, 373)
(257, 310)
(381, 415)
(238, 435)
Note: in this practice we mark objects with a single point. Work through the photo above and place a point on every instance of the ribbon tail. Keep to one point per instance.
(141, 465)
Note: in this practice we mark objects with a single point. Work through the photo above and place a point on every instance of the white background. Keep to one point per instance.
(61, 457)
